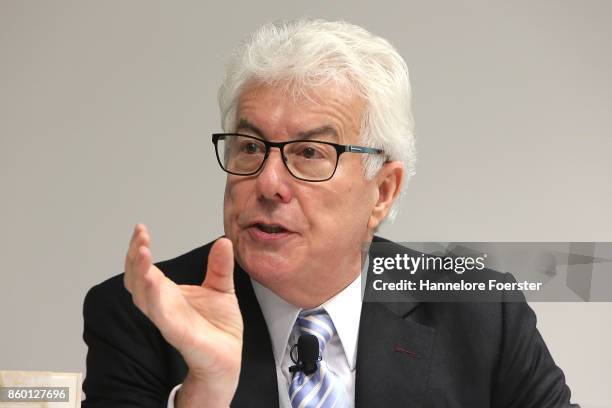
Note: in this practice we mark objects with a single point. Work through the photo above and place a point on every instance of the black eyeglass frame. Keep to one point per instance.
(281, 146)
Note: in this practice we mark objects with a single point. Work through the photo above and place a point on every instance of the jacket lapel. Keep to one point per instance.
(257, 386)
(393, 358)
(393, 353)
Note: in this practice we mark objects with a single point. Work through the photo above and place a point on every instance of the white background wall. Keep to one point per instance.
(106, 109)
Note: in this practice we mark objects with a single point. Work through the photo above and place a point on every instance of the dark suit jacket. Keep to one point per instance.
(410, 354)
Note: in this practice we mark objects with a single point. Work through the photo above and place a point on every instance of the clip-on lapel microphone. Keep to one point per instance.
(307, 354)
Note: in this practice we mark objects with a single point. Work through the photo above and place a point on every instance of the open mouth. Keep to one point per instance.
(270, 228)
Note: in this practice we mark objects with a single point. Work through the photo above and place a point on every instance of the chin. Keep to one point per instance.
(267, 268)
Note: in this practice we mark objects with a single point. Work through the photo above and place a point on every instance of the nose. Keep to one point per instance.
(274, 181)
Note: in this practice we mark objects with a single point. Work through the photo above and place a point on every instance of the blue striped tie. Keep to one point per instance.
(323, 388)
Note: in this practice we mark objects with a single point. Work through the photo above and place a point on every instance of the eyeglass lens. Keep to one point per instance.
(309, 160)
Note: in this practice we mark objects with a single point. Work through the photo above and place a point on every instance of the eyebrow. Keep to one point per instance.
(244, 124)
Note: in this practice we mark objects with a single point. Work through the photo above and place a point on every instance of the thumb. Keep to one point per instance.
(220, 272)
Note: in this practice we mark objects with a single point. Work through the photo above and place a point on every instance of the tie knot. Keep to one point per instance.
(317, 323)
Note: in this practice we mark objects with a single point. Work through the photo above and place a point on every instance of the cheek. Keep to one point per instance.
(337, 211)
(356, 205)
(228, 197)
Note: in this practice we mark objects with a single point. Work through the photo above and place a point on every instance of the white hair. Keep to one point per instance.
(305, 54)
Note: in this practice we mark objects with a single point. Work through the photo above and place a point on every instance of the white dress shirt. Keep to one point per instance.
(340, 352)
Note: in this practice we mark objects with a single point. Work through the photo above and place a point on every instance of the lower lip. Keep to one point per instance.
(260, 235)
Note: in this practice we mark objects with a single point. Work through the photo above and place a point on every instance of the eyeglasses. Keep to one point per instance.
(308, 160)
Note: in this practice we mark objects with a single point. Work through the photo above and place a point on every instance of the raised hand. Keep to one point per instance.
(202, 322)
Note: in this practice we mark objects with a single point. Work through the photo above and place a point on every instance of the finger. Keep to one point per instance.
(163, 302)
(137, 229)
(127, 276)
(140, 237)
(220, 271)
(136, 270)
(171, 312)
(129, 256)
(144, 279)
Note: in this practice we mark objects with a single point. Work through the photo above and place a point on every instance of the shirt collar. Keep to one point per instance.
(280, 316)
(344, 309)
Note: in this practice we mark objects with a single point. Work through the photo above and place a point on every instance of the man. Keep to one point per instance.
(321, 141)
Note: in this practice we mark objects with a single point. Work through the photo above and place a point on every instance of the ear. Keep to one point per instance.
(388, 181)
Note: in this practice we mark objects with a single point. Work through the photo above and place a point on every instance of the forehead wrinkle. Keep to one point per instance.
(325, 112)
(321, 130)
